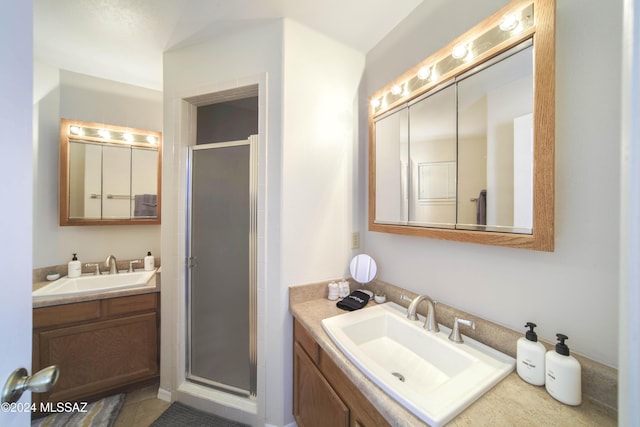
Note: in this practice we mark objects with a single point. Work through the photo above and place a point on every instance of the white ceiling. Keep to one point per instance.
(123, 40)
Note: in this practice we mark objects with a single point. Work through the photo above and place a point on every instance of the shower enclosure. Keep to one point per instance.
(221, 273)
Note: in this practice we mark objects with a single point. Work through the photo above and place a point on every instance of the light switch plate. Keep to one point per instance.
(355, 240)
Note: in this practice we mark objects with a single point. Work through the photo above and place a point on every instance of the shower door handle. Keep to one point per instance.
(192, 262)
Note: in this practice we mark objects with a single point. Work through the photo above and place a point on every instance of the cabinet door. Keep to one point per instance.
(362, 412)
(99, 356)
(314, 401)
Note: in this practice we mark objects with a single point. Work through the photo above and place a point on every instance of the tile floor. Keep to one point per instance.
(141, 408)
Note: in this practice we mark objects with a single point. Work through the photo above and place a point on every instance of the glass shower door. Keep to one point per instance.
(222, 282)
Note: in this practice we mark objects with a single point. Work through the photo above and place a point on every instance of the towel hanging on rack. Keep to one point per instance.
(481, 212)
(145, 205)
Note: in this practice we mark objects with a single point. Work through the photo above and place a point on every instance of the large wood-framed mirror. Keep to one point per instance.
(461, 147)
(109, 175)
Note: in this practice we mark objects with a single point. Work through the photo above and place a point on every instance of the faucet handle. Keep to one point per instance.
(97, 266)
(135, 261)
(455, 332)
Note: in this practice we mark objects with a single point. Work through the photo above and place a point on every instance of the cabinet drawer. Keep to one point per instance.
(66, 313)
(306, 341)
(131, 304)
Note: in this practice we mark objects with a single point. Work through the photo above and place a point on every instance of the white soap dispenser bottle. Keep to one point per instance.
(530, 357)
(149, 262)
(74, 267)
(563, 374)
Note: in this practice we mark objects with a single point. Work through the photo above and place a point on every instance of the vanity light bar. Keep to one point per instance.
(512, 25)
(113, 136)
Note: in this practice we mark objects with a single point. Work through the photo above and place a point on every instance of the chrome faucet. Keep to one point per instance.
(430, 323)
(455, 332)
(110, 263)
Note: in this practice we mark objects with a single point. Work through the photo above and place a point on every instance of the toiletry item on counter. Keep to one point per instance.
(149, 262)
(343, 288)
(563, 374)
(354, 301)
(380, 298)
(51, 276)
(334, 293)
(74, 268)
(530, 357)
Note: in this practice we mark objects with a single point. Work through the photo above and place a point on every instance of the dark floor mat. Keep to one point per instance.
(178, 415)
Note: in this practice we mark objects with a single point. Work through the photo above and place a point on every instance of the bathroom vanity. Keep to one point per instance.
(103, 343)
(329, 388)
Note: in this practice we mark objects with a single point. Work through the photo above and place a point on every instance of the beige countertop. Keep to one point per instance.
(511, 402)
(152, 286)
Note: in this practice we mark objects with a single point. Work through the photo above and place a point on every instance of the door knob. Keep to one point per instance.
(20, 381)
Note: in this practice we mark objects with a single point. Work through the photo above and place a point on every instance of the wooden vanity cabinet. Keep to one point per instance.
(101, 347)
(322, 393)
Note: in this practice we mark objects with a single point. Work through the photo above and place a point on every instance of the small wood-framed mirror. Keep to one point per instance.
(109, 175)
(426, 180)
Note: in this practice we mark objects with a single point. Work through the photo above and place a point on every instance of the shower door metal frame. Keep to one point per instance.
(191, 262)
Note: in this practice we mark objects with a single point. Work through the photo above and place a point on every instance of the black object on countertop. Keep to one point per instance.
(354, 301)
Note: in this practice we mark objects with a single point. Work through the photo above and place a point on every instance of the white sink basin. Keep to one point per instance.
(429, 375)
(91, 283)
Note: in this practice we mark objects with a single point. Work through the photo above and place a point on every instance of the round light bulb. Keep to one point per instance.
(396, 89)
(508, 23)
(375, 103)
(127, 137)
(424, 73)
(151, 139)
(76, 130)
(104, 133)
(459, 51)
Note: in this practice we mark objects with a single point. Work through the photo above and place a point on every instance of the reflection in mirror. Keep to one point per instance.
(432, 135)
(495, 144)
(363, 269)
(108, 174)
(144, 186)
(462, 145)
(85, 165)
(392, 159)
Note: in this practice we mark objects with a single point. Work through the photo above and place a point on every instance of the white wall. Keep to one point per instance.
(573, 290)
(321, 80)
(64, 94)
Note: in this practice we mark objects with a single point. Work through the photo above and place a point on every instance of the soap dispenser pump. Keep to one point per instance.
(563, 374)
(74, 267)
(530, 357)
